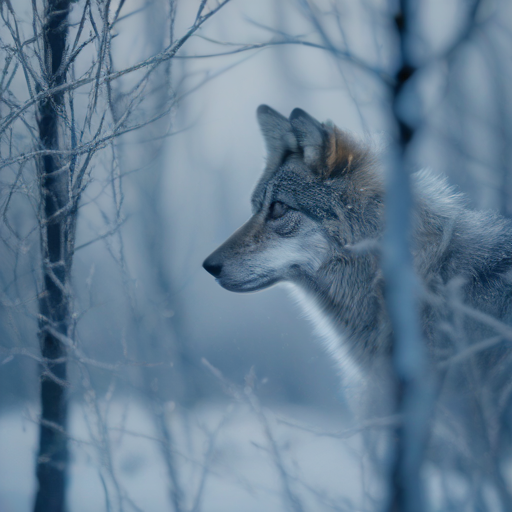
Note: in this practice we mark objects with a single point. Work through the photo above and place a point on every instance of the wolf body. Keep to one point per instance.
(318, 218)
(317, 224)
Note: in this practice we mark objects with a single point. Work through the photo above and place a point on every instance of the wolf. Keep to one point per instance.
(317, 225)
(318, 219)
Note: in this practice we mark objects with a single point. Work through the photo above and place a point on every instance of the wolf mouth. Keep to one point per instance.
(250, 285)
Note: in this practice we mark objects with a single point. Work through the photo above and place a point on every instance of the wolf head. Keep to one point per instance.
(317, 194)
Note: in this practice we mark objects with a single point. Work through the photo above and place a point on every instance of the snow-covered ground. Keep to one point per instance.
(230, 448)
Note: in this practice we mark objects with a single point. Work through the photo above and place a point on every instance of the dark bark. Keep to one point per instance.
(57, 230)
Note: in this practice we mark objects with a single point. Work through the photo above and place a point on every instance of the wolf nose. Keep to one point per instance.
(213, 267)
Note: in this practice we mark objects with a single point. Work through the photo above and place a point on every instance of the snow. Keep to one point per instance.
(324, 472)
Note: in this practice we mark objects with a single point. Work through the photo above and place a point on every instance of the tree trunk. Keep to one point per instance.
(414, 391)
(57, 235)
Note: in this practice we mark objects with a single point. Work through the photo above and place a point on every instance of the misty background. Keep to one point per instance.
(149, 320)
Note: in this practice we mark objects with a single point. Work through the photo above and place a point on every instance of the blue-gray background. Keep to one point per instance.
(141, 291)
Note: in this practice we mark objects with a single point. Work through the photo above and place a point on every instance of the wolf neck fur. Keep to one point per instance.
(353, 308)
(348, 288)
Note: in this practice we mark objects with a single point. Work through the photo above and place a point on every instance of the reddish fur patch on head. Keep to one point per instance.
(342, 153)
(348, 158)
(339, 153)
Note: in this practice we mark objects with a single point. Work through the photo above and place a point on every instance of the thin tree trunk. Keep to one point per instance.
(414, 391)
(57, 236)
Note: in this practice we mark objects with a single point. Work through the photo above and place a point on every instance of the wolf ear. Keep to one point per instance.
(311, 137)
(278, 135)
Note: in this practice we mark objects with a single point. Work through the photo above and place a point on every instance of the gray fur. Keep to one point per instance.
(317, 224)
(278, 135)
(321, 244)
(309, 133)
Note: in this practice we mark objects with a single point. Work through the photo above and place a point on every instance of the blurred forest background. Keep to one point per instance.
(183, 396)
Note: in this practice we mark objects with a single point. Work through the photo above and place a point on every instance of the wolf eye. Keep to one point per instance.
(277, 210)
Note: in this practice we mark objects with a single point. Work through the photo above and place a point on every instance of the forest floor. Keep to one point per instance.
(289, 458)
